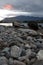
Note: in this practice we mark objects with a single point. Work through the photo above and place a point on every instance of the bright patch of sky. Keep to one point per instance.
(33, 6)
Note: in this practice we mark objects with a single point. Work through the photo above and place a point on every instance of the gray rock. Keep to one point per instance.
(20, 40)
(33, 45)
(23, 53)
(6, 52)
(24, 59)
(2, 45)
(38, 62)
(40, 40)
(6, 49)
(29, 38)
(40, 55)
(27, 46)
(39, 45)
(15, 51)
(11, 61)
(16, 24)
(31, 32)
(28, 52)
(18, 63)
(3, 61)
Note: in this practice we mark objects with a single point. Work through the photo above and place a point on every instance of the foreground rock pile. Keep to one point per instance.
(20, 46)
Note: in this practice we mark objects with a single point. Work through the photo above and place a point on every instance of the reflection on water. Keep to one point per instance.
(6, 24)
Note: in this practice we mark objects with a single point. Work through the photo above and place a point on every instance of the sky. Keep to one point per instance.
(34, 6)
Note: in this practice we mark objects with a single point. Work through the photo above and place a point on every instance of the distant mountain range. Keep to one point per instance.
(28, 18)
(22, 18)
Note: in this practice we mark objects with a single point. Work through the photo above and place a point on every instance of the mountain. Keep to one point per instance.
(22, 18)
(28, 18)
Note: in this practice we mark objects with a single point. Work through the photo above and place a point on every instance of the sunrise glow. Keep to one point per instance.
(7, 6)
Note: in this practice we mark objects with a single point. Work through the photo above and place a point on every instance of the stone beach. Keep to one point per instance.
(20, 46)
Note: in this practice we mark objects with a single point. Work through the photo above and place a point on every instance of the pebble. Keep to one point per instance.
(15, 51)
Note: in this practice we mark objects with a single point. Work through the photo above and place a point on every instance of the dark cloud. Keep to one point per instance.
(25, 5)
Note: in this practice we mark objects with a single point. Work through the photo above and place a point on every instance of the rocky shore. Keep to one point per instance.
(20, 46)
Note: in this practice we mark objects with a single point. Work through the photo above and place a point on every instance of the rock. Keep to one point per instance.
(20, 46)
(27, 46)
(32, 56)
(20, 40)
(6, 52)
(16, 24)
(32, 61)
(2, 29)
(23, 52)
(24, 59)
(15, 51)
(2, 44)
(18, 63)
(29, 38)
(3, 61)
(33, 25)
(30, 32)
(28, 52)
(40, 40)
(6, 49)
(38, 62)
(33, 46)
(11, 61)
(39, 45)
(2, 54)
(35, 50)
(40, 55)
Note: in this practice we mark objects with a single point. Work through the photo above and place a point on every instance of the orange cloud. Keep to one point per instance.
(8, 6)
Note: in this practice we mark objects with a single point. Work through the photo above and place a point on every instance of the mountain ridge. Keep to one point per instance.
(22, 18)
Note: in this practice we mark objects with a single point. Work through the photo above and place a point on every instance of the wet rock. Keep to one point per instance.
(15, 51)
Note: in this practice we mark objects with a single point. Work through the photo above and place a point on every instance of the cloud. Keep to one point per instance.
(26, 5)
